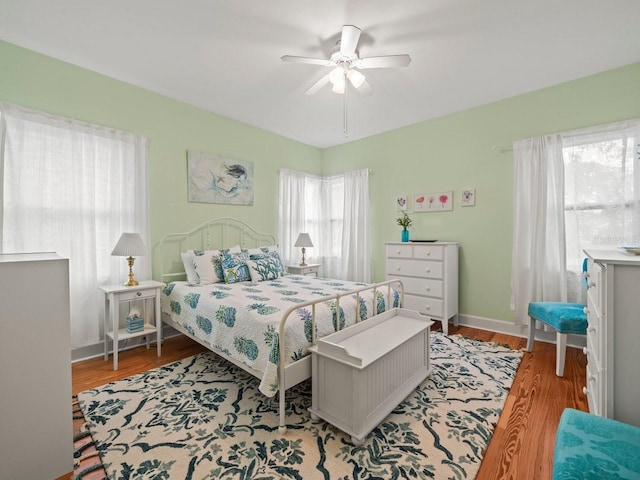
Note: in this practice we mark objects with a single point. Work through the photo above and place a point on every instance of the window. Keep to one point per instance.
(334, 211)
(601, 193)
(72, 188)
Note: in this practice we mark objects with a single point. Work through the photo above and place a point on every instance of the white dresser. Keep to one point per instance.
(613, 335)
(429, 273)
(36, 434)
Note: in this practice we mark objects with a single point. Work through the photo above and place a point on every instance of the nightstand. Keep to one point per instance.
(311, 268)
(148, 290)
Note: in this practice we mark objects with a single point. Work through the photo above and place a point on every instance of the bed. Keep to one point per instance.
(265, 323)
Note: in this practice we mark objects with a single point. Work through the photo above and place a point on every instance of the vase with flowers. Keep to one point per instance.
(404, 221)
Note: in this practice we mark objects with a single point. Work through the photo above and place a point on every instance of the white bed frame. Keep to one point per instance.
(224, 233)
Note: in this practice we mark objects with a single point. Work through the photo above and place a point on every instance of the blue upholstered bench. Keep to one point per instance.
(565, 318)
(589, 447)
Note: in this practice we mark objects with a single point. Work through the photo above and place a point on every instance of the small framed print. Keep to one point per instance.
(468, 197)
(401, 204)
(433, 202)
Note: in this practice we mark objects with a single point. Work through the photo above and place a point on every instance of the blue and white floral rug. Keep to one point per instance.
(203, 418)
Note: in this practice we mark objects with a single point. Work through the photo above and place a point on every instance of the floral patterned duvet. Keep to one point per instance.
(242, 319)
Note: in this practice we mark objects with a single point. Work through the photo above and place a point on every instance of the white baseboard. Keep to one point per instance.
(508, 328)
(482, 323)
(97, 350)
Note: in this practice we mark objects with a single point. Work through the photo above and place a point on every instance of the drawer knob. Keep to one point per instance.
(428, 289)
(585, 310)
(399, 252)
(428, 270)
(139, 294)
(584, 350)
(592, 329)
(592, 284)
(398, 268)
(592, 378)
(586, 274)
(428, 253)
(585, 390)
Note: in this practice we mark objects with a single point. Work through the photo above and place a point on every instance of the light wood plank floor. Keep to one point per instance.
(523, 441)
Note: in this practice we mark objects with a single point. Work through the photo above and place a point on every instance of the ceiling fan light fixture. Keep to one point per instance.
(355, 77)
(336, 77)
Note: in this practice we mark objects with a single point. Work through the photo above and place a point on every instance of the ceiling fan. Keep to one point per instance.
(347, 62)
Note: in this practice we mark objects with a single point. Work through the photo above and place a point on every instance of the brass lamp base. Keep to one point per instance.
(132, 281)
(303, 264)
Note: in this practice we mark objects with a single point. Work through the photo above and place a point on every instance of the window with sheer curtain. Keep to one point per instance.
(572, 191)
(602, 193)
(72, 188)
(334, 211)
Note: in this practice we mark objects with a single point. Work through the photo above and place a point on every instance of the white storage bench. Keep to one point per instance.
(360, 374)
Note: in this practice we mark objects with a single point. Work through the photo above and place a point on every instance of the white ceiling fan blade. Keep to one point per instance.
(312, 61)
(386, 61)
(349, 40)
(318, 85)
(364, 88)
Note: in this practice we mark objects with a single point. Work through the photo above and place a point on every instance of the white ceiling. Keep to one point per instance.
(224, 55)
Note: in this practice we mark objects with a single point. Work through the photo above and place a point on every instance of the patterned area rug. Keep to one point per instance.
(203, 418)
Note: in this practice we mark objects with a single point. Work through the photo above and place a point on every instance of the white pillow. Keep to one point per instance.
(189, 268)
(208, 267)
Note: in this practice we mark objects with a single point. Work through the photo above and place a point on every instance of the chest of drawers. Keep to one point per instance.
(429, 273)
(613, 332)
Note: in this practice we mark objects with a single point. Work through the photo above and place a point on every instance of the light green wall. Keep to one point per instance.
(447, 153)
(455, 152)
(172, 127)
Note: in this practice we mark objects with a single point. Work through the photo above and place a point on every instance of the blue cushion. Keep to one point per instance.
(564, 317)
(592, 447)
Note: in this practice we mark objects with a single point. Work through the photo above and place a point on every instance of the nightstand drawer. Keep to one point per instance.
(137, 294)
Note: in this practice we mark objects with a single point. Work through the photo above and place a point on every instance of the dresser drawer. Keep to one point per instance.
(594, 389)
(594, 283)
(422, 286)
(400, 251)
(432, 307)
(137, 294)
(428, 252)
(415, 268)
(594, 352)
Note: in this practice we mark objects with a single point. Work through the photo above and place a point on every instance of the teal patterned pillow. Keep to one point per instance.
(234, 267)
(264, 267)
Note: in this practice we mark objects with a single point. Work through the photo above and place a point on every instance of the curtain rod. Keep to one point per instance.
(634, 123)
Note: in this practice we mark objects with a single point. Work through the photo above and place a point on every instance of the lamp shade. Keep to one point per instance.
(304, 240)
(129, 245)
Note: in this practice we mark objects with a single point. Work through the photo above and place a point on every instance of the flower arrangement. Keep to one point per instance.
(404, 220)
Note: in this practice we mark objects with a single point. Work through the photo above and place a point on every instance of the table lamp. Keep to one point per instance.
(130, 244)
(304, 240)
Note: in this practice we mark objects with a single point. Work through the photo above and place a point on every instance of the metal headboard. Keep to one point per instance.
(224, 232)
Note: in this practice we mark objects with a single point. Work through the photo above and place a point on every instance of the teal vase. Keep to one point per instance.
(405, 235)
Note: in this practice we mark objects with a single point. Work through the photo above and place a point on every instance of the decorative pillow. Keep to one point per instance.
(266, 266)
(208, 265)
(189, 268)
(234, 267)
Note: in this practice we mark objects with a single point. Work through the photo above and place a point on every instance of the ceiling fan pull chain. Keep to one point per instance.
(344, 105)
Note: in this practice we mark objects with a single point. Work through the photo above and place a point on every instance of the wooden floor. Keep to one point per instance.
(522, 444)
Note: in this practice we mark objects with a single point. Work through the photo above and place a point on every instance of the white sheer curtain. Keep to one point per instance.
(335, 212)
(538, 259)
(291, 214)
(356, 236)
(73, 188)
